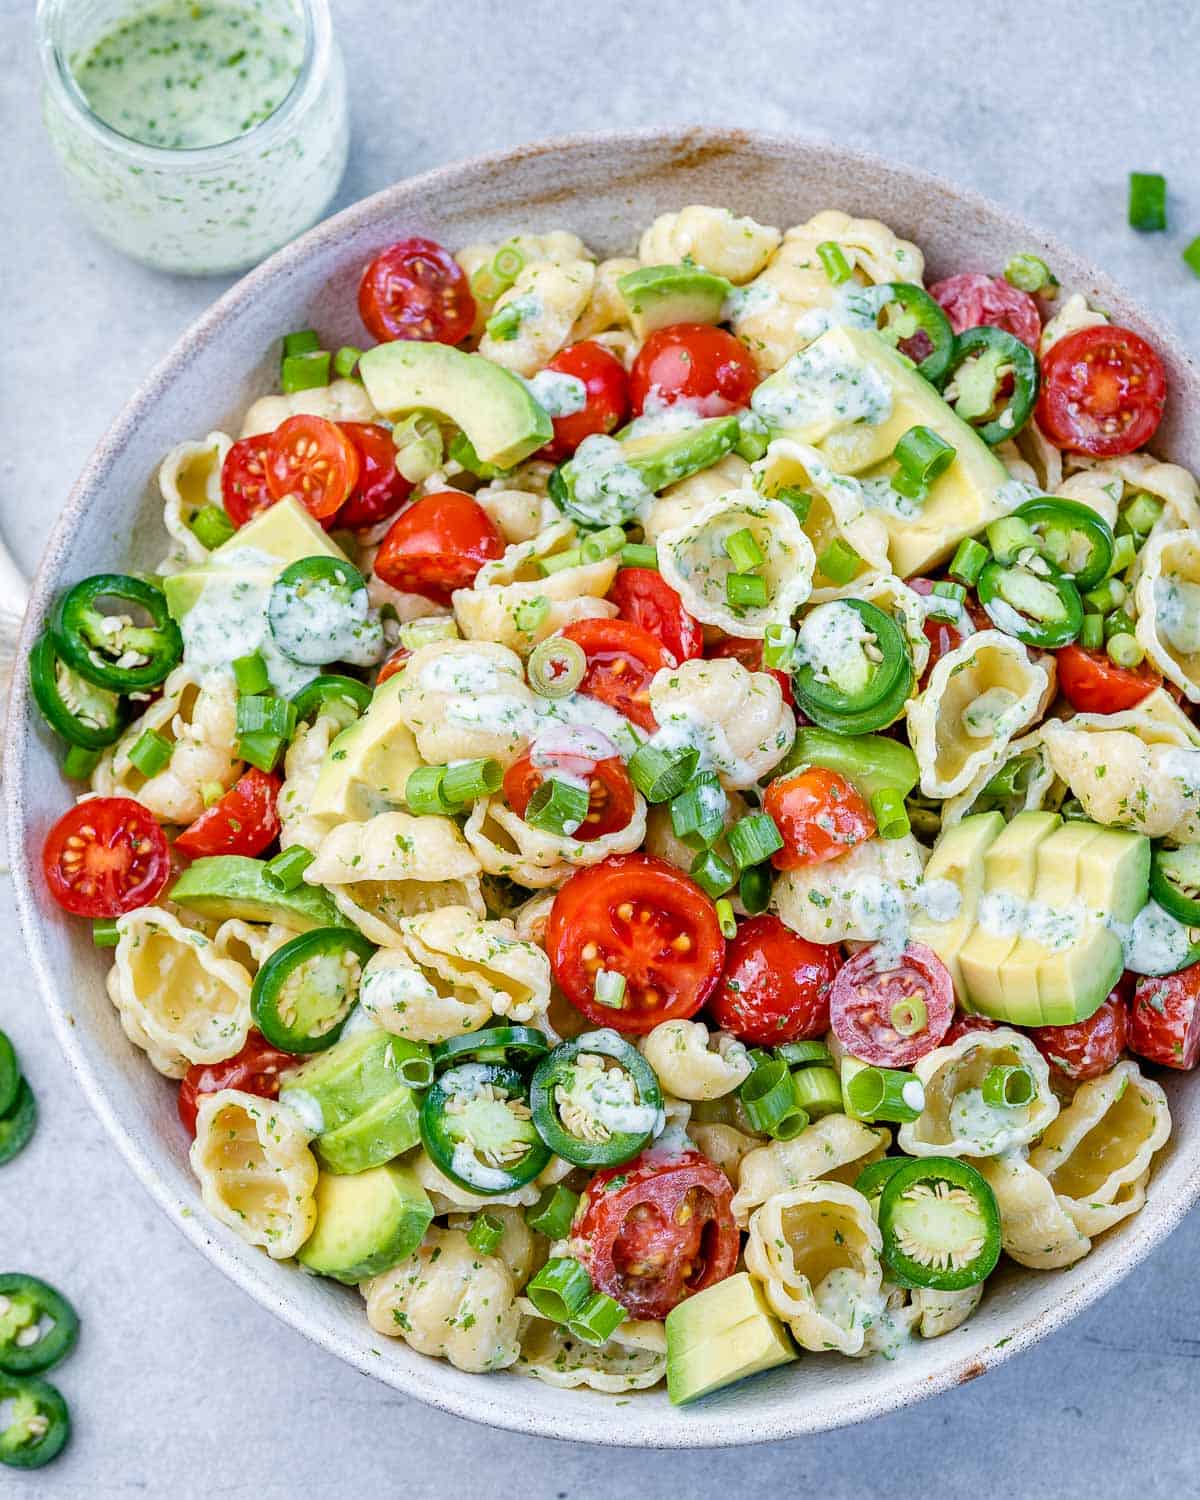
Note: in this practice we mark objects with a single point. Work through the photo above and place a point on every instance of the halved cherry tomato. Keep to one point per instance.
(438, 545)
(1092, 684)
(254, 1070)
(106, 856)
(819, 815)
(381, 489)
(696, 363)
(864, 999)
(610, 791)
(244, 479)
(963, 1024)
(973, 300)
(622, 661)
(776, 984)
(638, 916)
(645, 598)
(607, 396)
(393, 664)
(1086, 1049)
(1164, 1022)
(657, 1230)
(416, 290)
(941, 635)
(750, 652)
(244, 821)
(1103, 392)
(314, 461)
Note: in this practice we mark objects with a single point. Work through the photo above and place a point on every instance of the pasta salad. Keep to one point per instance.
(651, 814)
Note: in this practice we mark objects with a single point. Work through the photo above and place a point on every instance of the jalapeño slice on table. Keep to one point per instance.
(940, 1224)
(38, 1326)
(591, 1114)
(38, 1421)
(303, 993)
(117, 650)
(476, 1126)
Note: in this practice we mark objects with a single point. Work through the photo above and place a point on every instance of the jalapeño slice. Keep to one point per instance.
(590, 1114)
(38, 1326)
(940, 1224)
(114, 650)
(477, 1128)
(1175, 882)
(870, 693)
(1035, 604)
(513, 1045)
(82, 712)
(38, 1422)
(978, 389)
(920, 314)
(1077, 540)
(303, 993)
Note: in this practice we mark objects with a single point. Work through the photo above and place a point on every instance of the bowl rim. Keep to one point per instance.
(476, 1402)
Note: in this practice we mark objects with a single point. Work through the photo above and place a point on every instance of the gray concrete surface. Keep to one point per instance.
(182, 1386)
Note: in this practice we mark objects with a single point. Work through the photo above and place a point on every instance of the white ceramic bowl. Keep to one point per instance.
(606, 188)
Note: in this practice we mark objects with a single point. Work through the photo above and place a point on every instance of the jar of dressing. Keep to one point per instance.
(195, 135)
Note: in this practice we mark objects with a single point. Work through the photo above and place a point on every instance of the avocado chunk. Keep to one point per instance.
(958, 857)
(364, 1112)
(230, 885)
(501, 419)
(853, 397)
(366, 1224)
(658, 296)
(367, 766)
(722, 1334)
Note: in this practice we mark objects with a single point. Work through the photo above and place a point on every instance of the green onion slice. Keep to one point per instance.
(557, 807)
(556, 667)
(1009, 1087)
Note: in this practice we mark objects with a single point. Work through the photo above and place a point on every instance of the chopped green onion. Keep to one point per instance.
(779, 647)
(150, 752)
(345, 361)
(953, 591)
(754, 889)
(211, 527)
(833, 258)
(1191, 256)
(608, 989)
(286, 870)
(420, 448)
(260, 749)
(471, 779)
(250, 674)
(1124, 552)
(1142, 512)
(486, 286)
(556, 667)
(485, 1233)
(839, 562)
(1029, 273)
(1010, 536)
(969, 561)
(507, 263)
(923, 455)
(601, 544)
(1124, 650)
(639, 555)
(423, 790)
(260, 713)
(803, 1054)
(462, 451)
(770, 1102)
(552, 1214)
(1091, 632)
(712, 874)
(890, 813)
(558, 562)
(1147, 201)
(79, 763)
(1120, 622)
(743, 550)
(1009, 1087)
(105, 933)
(560, 1289)
(662, 774)
(416, 1069)
(1107, 596)
(881, 1093)
(799, 502)
(417, 633)
(818, 1091)
(746, 590)
(530, 614)
(753, 839)
(954, 595)
(304, 372)
(909, 1016)
(726, 919)
(304, 341)
(698, 812)
(597, 1320)
(504, 323)
(557, 807)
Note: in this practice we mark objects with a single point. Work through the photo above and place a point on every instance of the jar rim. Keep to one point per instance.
(60, 80)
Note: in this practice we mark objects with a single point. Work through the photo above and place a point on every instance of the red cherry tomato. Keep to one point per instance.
(819, 816)
(610, 791)
(693, 362)
(1103, 392)
(438, 545)
(941, 635)
(314, 461)
(254, 1070)
(864, 1001)
(638, 916)
(1092, 684)
(750, 654)
(244, 479)
(106, 856)
(607, 407)
(1164, 1022)
(416, 290)
(622, 660)
(381, 489)
(973, 300)
(963, 1024)
(657, 1230)
(1086, 1049)
(776, 984)
(244, 821)
(645, 598)
(393, 664)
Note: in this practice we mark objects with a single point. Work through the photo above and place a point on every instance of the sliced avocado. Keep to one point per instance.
(284, 534)
(722, 1335)
(1010, 868)
(230, 885)
(657, 296)
(1114, 873)
(965, 498)
(366, 1224)
(502, 421)
(958, 857)
(367, 766)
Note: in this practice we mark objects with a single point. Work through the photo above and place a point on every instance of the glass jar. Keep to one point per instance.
(206, 209)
